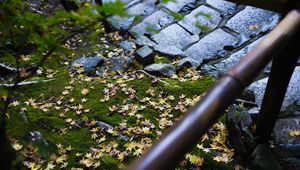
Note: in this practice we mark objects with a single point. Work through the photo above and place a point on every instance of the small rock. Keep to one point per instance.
(143, 40)
(298, 101)
(127, 45)
(187, 63)
(209, 70)
(120, 64)
(37, 137)
(104, 125)
(144, 55)
(265, 158)
(282, 128)
(121, 23)
(171, 51)
(161, 69)
(122, 137)
(115, 64)
(89, 64)
(239, 127)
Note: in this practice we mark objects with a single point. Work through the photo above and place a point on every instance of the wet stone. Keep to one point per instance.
(37, 137)
(161, 69)
(152, 24)
(210, 45)
(120, 64)
(226, 64)
(282, 128)
(201, 19)
(264, 157)
(187, 63)
(252, 21)
(127, 45)
(293, 91)
(107, 1)
(178, 5)
(224, 6)
(174, 35)
(188, 8)
(122, 23)
(143, 40)
(298, 101)
(171, 51)
(89, 64)
(144, 8)
(104, 125)
(144, 55)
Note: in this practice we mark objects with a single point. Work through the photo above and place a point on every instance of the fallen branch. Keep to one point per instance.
(5, 69)
(142, 71)
(25, 83)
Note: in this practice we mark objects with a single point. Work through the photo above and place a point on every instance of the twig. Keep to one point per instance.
(142, 71)
(25, 83)
(247, 103)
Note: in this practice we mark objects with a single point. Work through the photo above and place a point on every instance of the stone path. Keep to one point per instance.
(209, 34)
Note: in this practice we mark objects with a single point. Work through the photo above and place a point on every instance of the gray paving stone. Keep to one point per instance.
(201, 17)
(107, 1)
(252, 21)
(161, 69)
(174, 35)
(210, 45)
(226, 64)
(293, 92)
(144, 55)
(178, 5)
(171, 51)
(144, 8)
(283, 127)
(152, 24)
(123, 23)
(143, 40)
(186, 63)
(127, 45)
(224, 6)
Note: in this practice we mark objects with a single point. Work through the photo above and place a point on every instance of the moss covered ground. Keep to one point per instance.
(59, 124)
(66, 110)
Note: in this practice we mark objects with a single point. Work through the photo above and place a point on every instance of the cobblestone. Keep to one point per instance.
(202, 19)
(210, 46)
(251, 21)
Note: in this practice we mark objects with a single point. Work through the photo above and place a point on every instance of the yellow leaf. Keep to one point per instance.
(294, 133)
(17, 146)
(85, 92)
(195, 160)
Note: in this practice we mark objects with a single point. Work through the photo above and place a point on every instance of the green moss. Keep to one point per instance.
(49, 123)
(161, 59)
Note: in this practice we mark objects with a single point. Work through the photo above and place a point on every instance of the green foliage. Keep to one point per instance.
(176, 15)
(114, 8)
(206, 15)
(203, 28)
